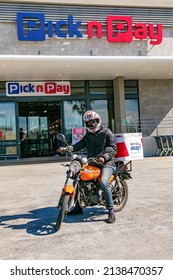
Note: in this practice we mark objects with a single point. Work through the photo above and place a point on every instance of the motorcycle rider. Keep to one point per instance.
(99, 143)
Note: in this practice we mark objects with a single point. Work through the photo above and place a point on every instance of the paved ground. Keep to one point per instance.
(143, 230)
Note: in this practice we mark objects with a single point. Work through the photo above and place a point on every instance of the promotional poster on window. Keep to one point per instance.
(77, 134)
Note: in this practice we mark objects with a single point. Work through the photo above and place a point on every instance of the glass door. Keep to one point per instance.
(37, 140)
(40, 122)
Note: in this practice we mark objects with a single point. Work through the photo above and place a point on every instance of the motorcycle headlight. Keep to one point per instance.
(75, 166)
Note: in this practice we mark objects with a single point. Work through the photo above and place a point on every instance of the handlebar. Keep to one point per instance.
(94, 162)
(64, 150)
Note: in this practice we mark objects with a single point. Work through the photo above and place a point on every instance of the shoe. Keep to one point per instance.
(111, 216)
(76, 210)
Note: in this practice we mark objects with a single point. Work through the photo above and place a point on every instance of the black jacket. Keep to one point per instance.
(101, 143)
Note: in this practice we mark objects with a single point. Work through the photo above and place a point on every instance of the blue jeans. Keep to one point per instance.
(107, 171)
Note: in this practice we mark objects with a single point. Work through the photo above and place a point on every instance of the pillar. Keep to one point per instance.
(119, 105)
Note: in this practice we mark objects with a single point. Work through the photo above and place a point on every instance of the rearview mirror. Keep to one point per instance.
(61, 137)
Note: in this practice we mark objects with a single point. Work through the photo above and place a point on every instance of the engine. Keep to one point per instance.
(90, 194)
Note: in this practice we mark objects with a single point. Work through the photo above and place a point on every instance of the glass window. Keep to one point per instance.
(77, 84)
(77, 87)
(131, 83)
(101, 90)
(77, 91)
(7, 148)
(22, 124)
(101, 87)
(43, 128)
(131, 90)
(73, 116)
(132, 115)
(131, 87)
(101, 107)
(33, 128)
(131, 104)
(7, 121)
(101, 83)
(7, 129)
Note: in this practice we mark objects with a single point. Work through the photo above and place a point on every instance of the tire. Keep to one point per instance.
(120, 194)
(62, 211)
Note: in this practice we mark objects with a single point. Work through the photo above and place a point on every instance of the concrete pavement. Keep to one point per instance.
(29, 192)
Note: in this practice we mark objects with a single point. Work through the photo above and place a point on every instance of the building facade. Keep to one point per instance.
(61, 58)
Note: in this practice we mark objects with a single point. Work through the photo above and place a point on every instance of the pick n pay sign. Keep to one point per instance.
(121, 29)
(37, 88)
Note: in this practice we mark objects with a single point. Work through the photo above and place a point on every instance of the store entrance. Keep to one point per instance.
(40, 123)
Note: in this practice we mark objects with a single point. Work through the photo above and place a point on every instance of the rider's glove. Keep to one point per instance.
(101, 160)
(65, 149)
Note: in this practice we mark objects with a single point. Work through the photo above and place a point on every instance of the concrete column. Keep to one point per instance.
(119, 105)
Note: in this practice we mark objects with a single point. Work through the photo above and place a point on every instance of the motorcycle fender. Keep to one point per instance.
(68, 189)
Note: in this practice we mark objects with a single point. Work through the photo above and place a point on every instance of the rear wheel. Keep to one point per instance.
(62, 211)
(119, 194)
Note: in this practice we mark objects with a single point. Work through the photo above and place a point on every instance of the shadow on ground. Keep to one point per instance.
(42, 221)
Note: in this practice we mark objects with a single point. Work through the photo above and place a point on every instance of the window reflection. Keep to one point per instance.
(101, 107)
(77, 91)
(7, 121)
(7, 129)
(73, 116)
(101, 87)
(99, 83)
(43, 127)
(33, 127)
(101, 91)
(132, 115)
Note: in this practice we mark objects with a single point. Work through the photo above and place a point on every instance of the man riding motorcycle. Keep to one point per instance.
(99, 142)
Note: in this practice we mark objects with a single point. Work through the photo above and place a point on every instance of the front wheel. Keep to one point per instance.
(62, 211)
(120, 194)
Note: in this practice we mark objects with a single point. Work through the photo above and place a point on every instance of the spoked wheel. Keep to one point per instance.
(120, 194)
(62, 211)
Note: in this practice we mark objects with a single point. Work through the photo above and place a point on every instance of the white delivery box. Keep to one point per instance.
(129, 146)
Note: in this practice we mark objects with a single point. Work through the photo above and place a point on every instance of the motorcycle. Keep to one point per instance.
(84, 187)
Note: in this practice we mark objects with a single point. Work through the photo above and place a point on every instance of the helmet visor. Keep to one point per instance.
(92, 124)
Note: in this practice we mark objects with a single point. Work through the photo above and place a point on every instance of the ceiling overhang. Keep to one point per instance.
(37, 68)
